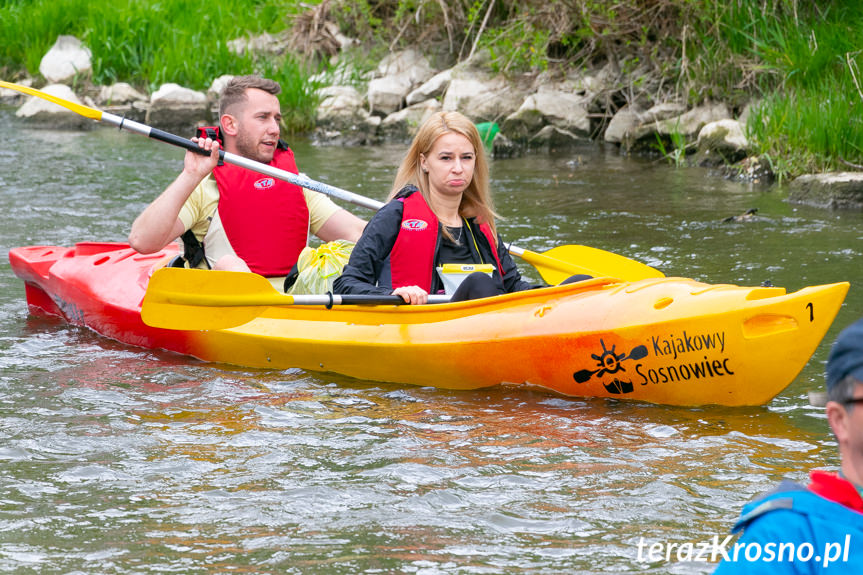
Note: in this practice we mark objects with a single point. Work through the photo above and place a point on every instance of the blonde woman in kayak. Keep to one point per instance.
(439, 212)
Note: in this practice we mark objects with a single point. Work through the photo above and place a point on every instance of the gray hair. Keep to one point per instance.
(843, 391)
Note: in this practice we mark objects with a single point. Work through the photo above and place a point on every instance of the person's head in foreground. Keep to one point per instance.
(844, 393)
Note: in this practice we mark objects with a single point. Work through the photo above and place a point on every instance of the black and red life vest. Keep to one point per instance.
(266, 220)
(412, 259)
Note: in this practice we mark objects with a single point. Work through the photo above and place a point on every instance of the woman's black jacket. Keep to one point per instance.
(368, 270)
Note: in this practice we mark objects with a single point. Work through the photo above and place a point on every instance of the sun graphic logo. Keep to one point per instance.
(610, 362)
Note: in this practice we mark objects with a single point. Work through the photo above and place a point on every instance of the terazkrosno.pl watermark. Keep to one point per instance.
(716, 549)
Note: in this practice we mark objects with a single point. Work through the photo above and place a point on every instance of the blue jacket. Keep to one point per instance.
(794, 521)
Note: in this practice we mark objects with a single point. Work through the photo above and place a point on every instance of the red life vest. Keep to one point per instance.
(412, 259)
(266, 220)
(831, 486)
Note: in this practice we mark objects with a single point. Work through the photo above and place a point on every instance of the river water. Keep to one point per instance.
(115, 459)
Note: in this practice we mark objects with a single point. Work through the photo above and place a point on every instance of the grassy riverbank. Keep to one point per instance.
(801, 60)
(148, 43)
(797, 60)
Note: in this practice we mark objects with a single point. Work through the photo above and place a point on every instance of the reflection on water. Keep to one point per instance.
(121, 460)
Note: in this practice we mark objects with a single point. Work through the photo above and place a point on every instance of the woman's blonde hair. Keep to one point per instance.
(476, 200)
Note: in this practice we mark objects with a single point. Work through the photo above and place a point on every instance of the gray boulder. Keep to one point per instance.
(721, 142)
(549, 107)
(554, 138)
(669, 123)
(122, 99)
(175, 107)
(214, 92)
(482, 97)
(66, 59)
(837, 190)
(404, 124)
(622, 124)
(435, 87)
(693, 121)
(407, 62)
(397, 75)
(43, 113)
(341, 109)
(119, 94)
(660, 120)
(387, 94)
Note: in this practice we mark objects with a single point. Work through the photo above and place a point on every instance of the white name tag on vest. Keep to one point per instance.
(453, 274)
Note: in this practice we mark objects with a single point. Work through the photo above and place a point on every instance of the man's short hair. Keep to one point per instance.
(235, 90)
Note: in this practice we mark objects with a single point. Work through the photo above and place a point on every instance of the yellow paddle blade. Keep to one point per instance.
(180, 298)
(557, 264)
(91, 113)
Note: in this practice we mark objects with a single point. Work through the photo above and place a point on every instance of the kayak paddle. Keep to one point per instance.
(554, 266)
(191, 299)
(557, 264)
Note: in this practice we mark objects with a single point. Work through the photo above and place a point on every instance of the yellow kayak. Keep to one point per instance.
(660, 340)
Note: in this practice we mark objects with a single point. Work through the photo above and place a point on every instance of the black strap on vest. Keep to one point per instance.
(193, 250)
(213, 133)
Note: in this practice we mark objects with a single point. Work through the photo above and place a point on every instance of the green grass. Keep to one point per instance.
(149, 43)
(810, 129)
(800, 59)
(29, 28)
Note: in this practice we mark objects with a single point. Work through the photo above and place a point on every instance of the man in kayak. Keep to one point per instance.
(819, 528)
(231, 218)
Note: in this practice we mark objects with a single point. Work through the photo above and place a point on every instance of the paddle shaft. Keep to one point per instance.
(257, 299)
